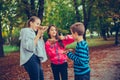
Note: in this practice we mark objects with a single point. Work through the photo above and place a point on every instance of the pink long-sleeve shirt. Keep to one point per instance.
(55, 52)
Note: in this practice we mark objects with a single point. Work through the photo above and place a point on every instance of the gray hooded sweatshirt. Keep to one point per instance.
(28, 48)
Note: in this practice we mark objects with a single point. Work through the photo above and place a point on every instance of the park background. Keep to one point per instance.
(100, 17)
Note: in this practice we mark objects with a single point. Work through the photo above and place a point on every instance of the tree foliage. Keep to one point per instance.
(59, 12)
(97, 15)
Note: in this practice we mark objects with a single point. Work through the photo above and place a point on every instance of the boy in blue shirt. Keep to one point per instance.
(80, 56)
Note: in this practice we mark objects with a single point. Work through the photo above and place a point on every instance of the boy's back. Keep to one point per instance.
(80, 58)
(81, 55)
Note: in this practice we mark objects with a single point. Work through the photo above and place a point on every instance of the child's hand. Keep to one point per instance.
(61, 37)
(44, 28)
(41, 30)
(71, 50)
(68, 50)
(52, 41)
(65, 51)
(40, 33)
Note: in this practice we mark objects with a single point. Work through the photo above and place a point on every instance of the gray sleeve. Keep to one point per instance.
(28, 41)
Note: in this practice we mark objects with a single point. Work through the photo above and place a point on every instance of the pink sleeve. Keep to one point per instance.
(47, 48)
(68, 40)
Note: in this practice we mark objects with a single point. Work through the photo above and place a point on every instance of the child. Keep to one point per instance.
(81, 54)
(32, 50)
(55, 47)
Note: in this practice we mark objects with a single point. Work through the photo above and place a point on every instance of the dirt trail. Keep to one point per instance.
(104, 62)
(106, 65)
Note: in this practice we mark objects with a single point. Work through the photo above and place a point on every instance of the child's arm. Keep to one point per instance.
(75, 58)
(81, 55)
(48, 48)
(68, 39)
(27, 39)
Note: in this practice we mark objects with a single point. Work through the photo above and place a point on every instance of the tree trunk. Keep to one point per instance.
(103, 33)
(77, 12)
(116, 35)
(41, 9)
(103, 30)
(116, 38)
(1, 40)
(27, 8)
(33, 11)
(85, 18)
(87, 14)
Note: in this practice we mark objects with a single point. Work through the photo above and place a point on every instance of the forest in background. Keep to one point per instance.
(102, 16)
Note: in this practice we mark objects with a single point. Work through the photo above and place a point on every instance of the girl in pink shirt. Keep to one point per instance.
(55, 47)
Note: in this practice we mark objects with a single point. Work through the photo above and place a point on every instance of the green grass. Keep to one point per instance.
(99, 42)
(94, 42)
(8, 49)
(91, 42)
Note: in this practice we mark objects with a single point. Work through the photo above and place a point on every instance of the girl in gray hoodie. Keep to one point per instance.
(32, 50)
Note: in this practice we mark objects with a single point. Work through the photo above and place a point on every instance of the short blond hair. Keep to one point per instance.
(78, 27)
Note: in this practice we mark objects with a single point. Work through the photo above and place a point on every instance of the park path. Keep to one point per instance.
(104, 62)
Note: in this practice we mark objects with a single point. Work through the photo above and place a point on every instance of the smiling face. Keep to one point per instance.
(35, 24)
(52, 32)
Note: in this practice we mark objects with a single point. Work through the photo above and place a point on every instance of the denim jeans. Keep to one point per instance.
(83, 77)
(60, 70)
(34, 69)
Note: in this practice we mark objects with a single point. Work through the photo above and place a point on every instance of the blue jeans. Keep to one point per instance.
(83, 77)
(34, 69)
(60, 70)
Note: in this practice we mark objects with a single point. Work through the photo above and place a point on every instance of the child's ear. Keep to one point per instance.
(76, 33)
(31, 23)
